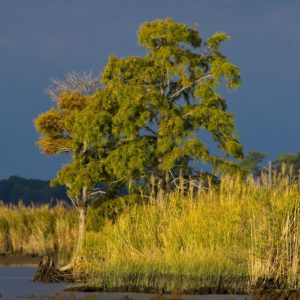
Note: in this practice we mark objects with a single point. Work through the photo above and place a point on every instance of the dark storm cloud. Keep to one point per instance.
(40, 40)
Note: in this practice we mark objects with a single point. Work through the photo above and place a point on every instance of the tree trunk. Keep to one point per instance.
(81, 228)
(160, 191)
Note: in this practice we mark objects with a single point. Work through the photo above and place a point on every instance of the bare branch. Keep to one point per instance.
(85, 82)
(187, 114)
(118, 180)
(73, 201)
(174, 179)
(207, 50)
(96, 192)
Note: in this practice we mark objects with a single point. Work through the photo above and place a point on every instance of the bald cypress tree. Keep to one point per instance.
(145, 119)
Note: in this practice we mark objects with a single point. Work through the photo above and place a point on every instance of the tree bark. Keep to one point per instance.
(81, 229)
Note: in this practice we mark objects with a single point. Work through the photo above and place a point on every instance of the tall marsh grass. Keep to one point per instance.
(38, 230)
(231, 237)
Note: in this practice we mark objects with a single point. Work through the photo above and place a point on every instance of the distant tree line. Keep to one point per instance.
(16, 188)
(255, 162)
(29, 191)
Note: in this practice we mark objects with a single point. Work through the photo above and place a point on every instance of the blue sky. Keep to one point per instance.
(40, 40)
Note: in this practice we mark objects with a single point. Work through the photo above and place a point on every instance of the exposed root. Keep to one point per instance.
(47, 272)
(68, 267)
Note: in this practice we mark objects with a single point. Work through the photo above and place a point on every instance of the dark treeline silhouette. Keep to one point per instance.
(29, 191)
(285, 163)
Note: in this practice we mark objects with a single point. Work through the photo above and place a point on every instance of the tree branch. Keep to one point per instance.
(73, 202)
(151, 130)
(174, 96)
(97, 191)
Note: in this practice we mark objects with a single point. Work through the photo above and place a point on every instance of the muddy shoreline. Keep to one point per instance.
(20, 260)
(147, 290)
(259, 294)
(276, 295)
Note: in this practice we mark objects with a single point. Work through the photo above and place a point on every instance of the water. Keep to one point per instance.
(16, 283)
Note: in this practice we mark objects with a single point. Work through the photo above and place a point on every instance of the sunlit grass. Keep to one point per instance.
(38, 230)
(230, 237)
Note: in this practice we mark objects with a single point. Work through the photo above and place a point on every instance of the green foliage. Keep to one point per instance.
(167, 33)
(252, 162)
(214, 41)
(58, 135)
(287, 163)
(101, 212)
(150, 108)
(146, 117)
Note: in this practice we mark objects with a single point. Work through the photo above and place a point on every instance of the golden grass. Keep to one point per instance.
(38, 230)
(231, 237)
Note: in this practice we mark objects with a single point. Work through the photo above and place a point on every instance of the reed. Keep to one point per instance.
(38, 230)
(233, 237)
(275, 238)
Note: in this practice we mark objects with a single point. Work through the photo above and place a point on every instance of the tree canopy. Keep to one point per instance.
(143, 120)
(146, 116)
(252, 162)
(287, 163)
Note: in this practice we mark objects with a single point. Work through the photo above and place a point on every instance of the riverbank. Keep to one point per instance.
(230, 238)
(20, 260)
(276, 295)
(16, 283)
(63, 291)
(20, 267)
(10, 277)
